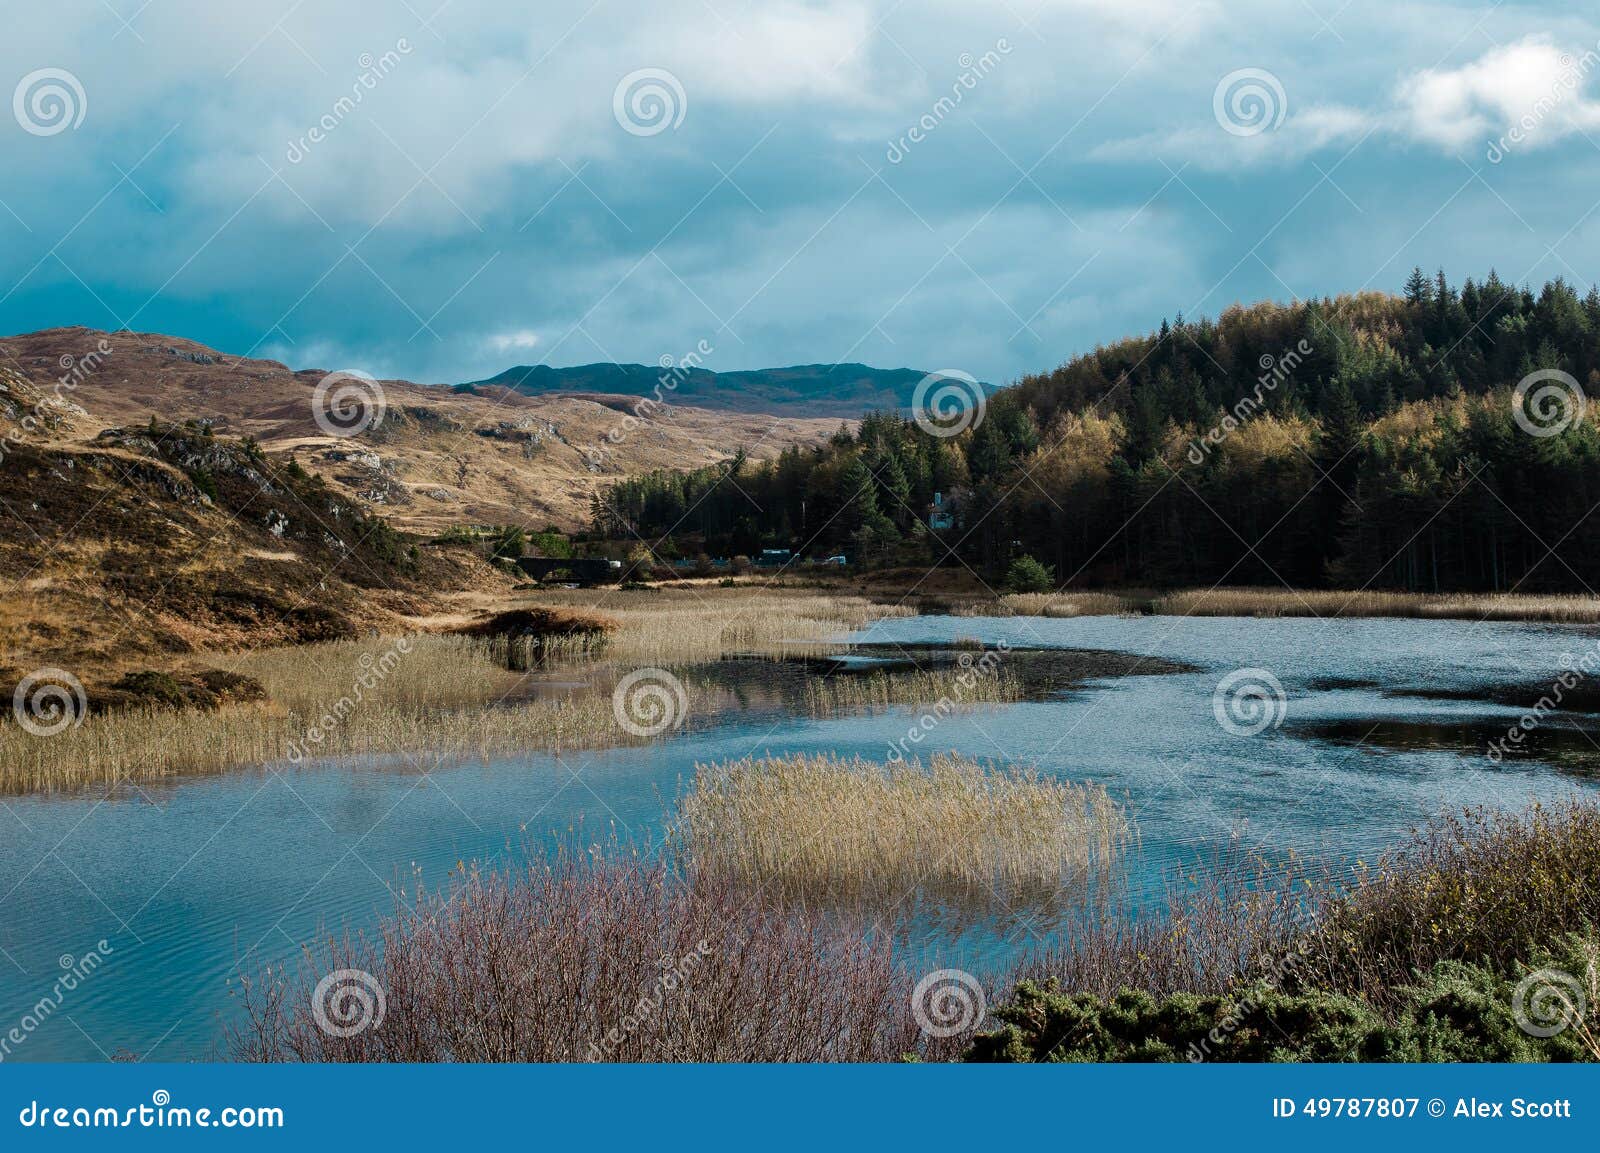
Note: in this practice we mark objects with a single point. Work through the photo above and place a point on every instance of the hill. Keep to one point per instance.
(164, 539)
(438, 457)
(844, 391)
(1441, 440)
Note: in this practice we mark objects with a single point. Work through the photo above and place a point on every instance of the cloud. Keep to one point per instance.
(1209, 145)
(519, 341)
(481, 205)
(1526, 93)
(1531, 87)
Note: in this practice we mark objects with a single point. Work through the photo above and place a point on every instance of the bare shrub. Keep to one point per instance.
(1480, 887)
(599, 958)
(1236, 918)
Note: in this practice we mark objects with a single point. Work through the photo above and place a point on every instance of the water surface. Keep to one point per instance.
(1384, 724)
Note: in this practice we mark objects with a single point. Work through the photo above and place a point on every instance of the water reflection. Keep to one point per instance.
(1386, 725)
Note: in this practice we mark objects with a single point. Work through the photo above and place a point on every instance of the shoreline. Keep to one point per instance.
(966, 596)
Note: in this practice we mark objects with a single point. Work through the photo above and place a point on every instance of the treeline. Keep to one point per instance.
(1369, 440)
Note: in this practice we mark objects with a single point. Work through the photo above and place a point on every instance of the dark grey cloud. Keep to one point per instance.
(436, 195)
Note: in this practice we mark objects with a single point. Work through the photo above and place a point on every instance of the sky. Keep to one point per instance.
(439, 189)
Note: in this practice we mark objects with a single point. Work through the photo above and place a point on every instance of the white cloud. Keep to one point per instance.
(1531, 86)
(774, 52)
(1302, 133)
(519, 341)
(1529, 93)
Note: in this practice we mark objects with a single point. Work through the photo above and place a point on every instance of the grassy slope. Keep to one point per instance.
(408, 466)
(137, 549)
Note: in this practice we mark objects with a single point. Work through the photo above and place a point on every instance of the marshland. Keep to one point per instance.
(1055, 787)
(555, 610)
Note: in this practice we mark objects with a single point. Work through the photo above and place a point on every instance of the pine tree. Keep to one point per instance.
(1419, 289)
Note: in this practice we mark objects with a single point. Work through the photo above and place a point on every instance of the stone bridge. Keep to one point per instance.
(583, 570)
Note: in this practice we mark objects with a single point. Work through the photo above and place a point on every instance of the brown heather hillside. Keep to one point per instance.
(439, 458)
(139, 547)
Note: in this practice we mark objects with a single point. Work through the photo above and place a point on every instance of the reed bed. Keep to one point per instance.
(1060, 604)
(1282, 602)
(942, 691)
(591, 959)
(1260, 602)
(676, 627)
(426, 696)
(414, 672)
(827, 827)
(420, 697)
(145, 745)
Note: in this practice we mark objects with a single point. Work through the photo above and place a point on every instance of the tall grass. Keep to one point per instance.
(676, 627)
(827, 827)
(940, 691)
(613, 958)
(436, 672)
(1481, 886)
(1059, 604)
(596, 959)
(443, 696)
(1256, 602)
(144, 745)
(1236, 916)
(1282, 602)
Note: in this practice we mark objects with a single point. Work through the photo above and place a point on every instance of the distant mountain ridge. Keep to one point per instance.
(846, 391)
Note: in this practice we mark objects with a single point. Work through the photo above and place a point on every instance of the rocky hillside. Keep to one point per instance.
(438, 457)
(162, 539)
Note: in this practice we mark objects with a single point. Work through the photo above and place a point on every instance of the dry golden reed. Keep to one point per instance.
(1061, 604)
(421, 698)
(1257, 602)
(824, 826)
(951, 688)
(415, 698)
(1283, 602)
(682, 626)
